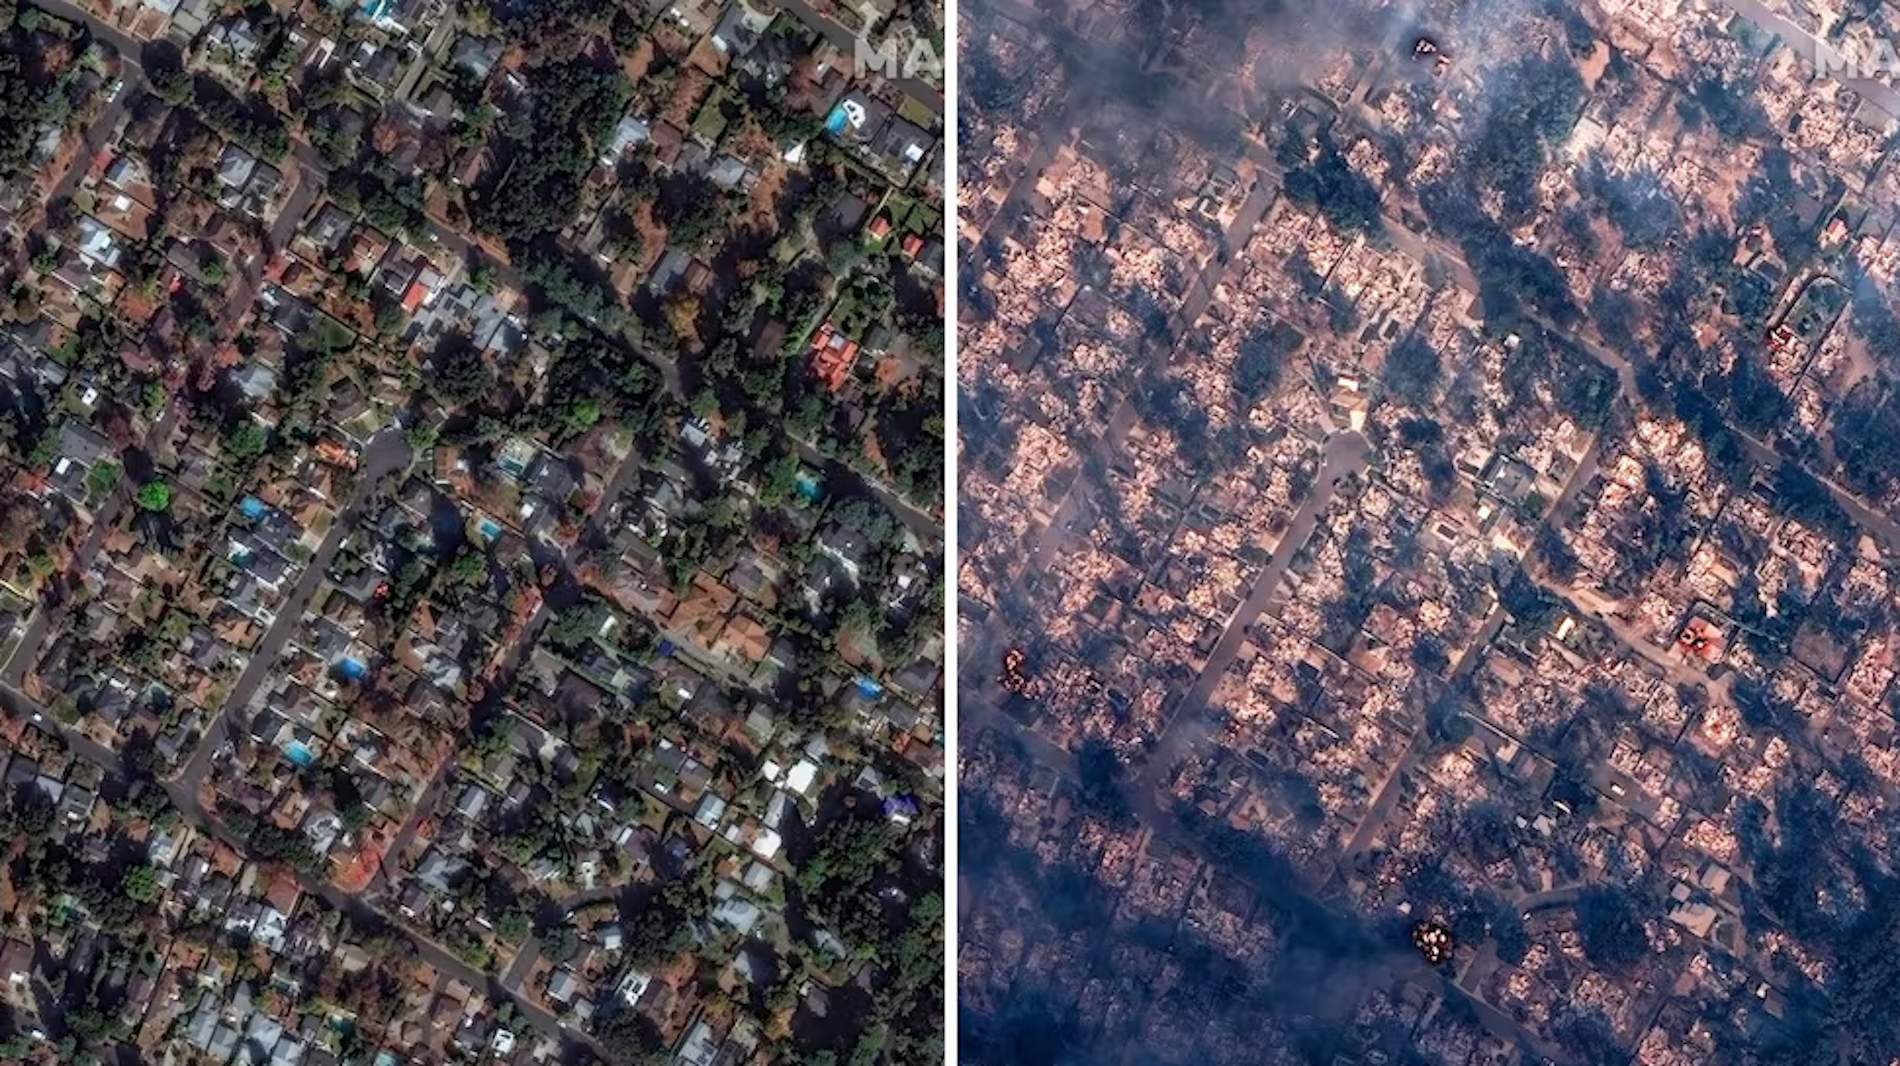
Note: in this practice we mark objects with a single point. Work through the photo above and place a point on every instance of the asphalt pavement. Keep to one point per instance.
(846, 41)
(1347, 454)
(386, 453)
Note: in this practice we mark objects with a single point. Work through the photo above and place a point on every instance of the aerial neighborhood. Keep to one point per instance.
(471, 549)
(1429, 568)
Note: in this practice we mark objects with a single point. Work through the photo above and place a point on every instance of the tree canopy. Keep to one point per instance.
(544, 157)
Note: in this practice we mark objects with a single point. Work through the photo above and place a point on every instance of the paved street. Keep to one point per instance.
(183, 797)
(508, 661)
(96, 135)
(123, 43)
(182, 793)
(1102, 448)
(530, 951)
(929, 528)
(307, 183)
(1346, 455)
(846, 42)
(26, 652)
(1805, 44)
(1385, 797)
(386, 453)
(99, 132)
(1265, 190)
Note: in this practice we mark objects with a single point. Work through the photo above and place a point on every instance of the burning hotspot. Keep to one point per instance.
(1433, 941)
(1013, 678)
(1424, 49)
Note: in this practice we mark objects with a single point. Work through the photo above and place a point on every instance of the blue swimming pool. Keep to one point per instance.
(835, 121)
(350, 669)
(299, 752)
(869, 688)
(489, 529)
(807, 487)
(252, 508)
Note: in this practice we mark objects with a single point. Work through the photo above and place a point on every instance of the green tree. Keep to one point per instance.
(247, 440)
(576, 626)
(514, 925)
(155, 496)
(458, 375)
(140, 884)
(545, 162)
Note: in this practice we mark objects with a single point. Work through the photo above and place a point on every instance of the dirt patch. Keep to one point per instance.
(688, 91)
(636, 63)
(1816, 648)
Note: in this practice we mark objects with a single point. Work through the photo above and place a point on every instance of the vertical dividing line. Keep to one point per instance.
(951, 441)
